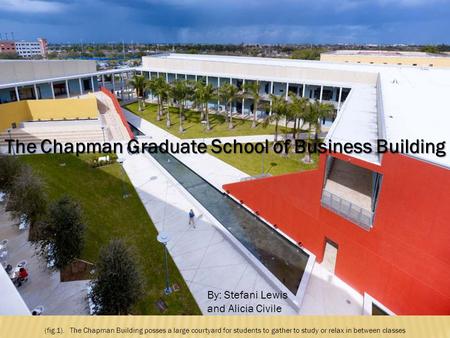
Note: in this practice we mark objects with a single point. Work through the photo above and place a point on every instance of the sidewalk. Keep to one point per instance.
(206, 260)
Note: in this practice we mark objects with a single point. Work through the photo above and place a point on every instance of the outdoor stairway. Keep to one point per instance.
(61, 131)
(114, 128)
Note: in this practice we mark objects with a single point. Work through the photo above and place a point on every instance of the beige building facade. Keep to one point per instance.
(415, 59)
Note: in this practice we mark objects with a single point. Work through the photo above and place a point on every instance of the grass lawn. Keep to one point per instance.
(274, 164)
(193, 127)
(108, 215)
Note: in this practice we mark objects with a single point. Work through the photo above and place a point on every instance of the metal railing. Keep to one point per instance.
(348, 210)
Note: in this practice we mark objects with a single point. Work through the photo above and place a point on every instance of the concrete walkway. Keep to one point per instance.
(207, 261)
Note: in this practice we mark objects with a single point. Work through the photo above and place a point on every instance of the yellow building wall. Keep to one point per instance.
(431, 61)
(35, 110)
(13, 112)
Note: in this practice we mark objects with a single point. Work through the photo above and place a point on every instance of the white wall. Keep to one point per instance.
(28, 70)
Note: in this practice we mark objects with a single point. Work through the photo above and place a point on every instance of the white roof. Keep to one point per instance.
(386, 53)
(66, 77)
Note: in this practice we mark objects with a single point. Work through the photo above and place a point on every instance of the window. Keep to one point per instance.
(378, 311)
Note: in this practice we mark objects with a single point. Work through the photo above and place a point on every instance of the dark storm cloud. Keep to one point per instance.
(321, 21)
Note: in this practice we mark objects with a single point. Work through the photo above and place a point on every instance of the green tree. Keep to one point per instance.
(299, 109)
(320, 111)
(430, 49)
(118, 284)
(279, 110)
(61, 233)
(228, 93)
(252, 89)
(307, 53)
(316, 111)
(10, 167)
(158, 86)
(203, 94)
(179, 92)
(27, 198)
(139, 83)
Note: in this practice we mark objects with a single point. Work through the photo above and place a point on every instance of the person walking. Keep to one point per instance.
(191, 218)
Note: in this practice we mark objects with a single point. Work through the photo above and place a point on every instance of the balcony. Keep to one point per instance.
(351, 192)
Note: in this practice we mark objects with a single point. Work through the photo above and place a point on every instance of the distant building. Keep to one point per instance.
(25, 49)
(7, 47)
(28, 49)
(381, 57)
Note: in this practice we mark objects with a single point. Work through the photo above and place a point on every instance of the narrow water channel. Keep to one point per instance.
(282, 258)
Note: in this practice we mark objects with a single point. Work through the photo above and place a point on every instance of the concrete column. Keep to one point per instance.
(231, 80)
(67, 89)
(243, 100)
(53, 90)
(176, 76)
(206, 79)
(287, 90)
(304, 90)
(321, 93)
(196, 78)
(218, 86)
(339, 99)
(17, 93)
(121, 85)
(271, 87)
(92, 83)
(167, 77)
(36, 94)
(81, 85)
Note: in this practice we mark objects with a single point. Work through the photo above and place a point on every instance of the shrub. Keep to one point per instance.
(61, 233)
(118, 284)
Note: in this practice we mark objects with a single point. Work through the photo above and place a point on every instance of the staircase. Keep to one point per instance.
(62, 131)
(115, 130)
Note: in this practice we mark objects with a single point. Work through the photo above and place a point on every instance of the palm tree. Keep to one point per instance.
(279, 109)
(315, 112)
(228, 93)
(165, 91)
(139, 83)
(320, 111)
(179, 92)
(158, 87)
(205, 93)
(252, 89)
(197, 97)
(299, 110)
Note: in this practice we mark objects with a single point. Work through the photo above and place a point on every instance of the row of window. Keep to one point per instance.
(277, 88)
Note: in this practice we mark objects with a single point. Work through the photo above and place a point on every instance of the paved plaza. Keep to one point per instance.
(43, 287)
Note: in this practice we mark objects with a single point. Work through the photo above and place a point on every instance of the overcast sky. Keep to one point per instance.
(229, 21)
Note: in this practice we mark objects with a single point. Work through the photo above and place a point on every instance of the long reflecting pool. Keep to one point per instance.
(282, 258)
